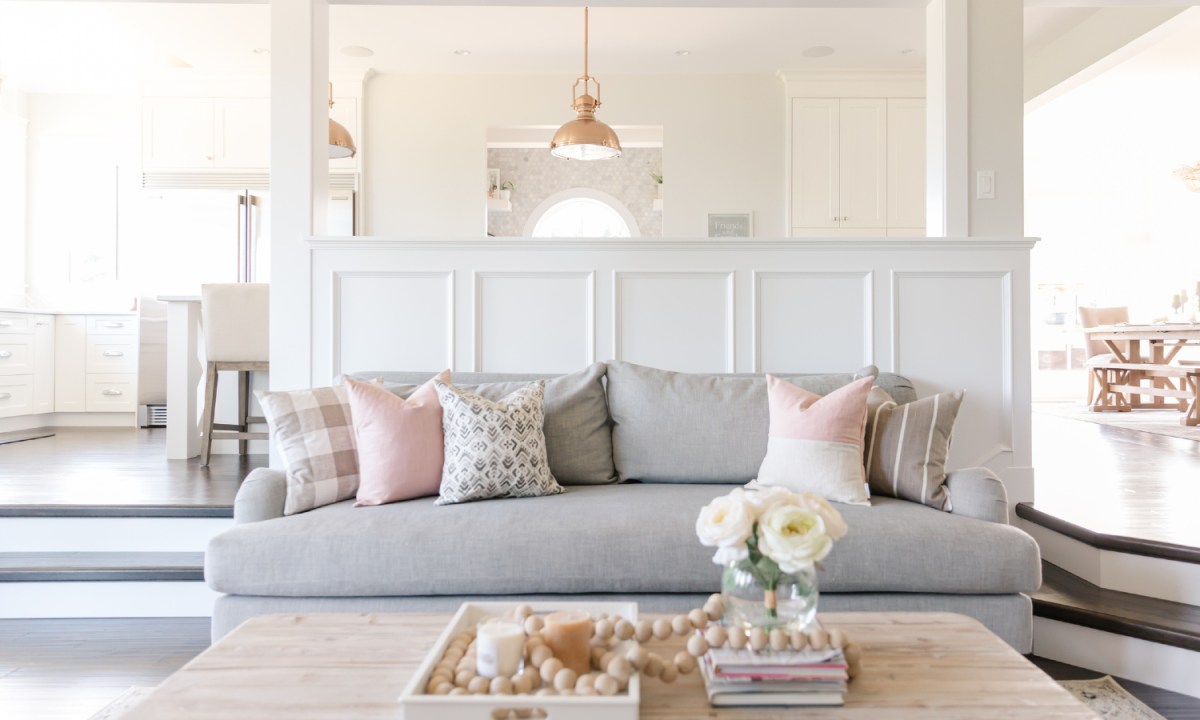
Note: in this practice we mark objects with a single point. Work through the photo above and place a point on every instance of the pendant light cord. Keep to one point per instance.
(586, 77)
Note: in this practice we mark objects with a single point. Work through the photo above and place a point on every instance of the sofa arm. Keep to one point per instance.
(977, 492)
(260, 497)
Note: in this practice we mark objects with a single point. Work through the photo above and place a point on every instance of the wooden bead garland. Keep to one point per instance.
(544, 674)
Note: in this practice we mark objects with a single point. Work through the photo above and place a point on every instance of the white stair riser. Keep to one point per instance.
(1124, 572)
(105, 599)
(1162, 666)
(75, 534)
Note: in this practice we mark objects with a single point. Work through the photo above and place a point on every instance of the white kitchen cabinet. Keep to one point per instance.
(906, 165)
(70, 363)
(111, 393)
(16, 395)
(857, 166)
(177, 133)
(43, 363)
(242, 127)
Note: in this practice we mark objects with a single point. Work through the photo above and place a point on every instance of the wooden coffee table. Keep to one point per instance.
(326, 666)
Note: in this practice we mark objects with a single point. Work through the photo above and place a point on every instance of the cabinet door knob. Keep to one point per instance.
(114, 324)
(112, 393)
(41, 323)
(5, 353)
(113, 353)
(5, 396)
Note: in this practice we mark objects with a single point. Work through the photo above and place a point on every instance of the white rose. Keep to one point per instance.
(835, 526)
(762, 497)
(731, 554)
(725, 522)
(794, 537)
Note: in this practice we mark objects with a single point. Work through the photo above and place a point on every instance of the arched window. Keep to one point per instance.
(581, 212)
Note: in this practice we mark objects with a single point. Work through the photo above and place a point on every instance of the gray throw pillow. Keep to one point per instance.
(494, 449)
(907, 446)
(685, 428)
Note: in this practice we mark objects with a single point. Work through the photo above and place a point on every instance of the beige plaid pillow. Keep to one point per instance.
(313, 432)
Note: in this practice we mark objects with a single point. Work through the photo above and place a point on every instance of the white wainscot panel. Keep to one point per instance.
(541, 322)
(812, 322)
(953, 331)
(693, 309)
(392, 321)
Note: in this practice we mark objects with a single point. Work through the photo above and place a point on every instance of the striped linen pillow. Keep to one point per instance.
(315, 436)
(907, 446)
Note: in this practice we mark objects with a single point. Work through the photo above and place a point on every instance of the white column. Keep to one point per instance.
(299, 177)
(975, 111)
(183, 378)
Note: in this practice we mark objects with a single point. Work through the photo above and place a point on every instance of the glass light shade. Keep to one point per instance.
(341, 145)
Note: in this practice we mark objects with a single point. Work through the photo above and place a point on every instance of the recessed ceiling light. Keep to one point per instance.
(683, 53)
(462, 52)
(262, 51)
(357, 51)
(817, 51)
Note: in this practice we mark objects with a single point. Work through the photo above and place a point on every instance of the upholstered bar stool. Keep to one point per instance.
(235, 322)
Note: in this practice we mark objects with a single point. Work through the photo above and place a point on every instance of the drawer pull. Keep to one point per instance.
(112, 393)
(114, 324)
(5, 323)
(5, 396)
(5, 353)
(41, 324)
(113, 353)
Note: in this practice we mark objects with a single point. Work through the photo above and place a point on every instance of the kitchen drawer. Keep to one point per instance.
(16, 395)
(15, 323)
(16, 354)
(112, 325)
(112, 392)
(112, 354)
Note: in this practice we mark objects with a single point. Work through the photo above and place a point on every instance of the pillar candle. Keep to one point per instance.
(499, 648)
(569, 635)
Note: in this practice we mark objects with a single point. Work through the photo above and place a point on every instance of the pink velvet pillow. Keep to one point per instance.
(815, 444)
(399, 441)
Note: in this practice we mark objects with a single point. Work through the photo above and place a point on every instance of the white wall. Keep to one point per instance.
(13, 123)
(723, 145)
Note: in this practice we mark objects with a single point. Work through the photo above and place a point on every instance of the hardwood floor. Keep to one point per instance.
(1117, 481)
(107, 467)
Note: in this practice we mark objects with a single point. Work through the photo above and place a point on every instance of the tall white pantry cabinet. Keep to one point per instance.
(856, 154)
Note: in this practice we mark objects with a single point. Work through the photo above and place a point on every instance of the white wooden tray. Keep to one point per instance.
(416, 704)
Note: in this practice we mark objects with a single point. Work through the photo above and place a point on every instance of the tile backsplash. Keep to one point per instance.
(536, 175)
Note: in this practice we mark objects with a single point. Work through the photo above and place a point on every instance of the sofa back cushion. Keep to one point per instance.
(684, 428)
(578, 428)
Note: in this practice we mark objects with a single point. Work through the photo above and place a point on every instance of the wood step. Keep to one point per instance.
(1104, 541)
(1069, 599)
(117, 511)
(16, 567)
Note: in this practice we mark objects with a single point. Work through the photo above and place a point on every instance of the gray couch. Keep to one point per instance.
(639, 452)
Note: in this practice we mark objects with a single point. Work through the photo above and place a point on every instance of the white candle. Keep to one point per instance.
(499, 649)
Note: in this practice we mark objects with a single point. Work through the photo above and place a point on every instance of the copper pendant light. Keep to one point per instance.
(341, 145)
(585, 137)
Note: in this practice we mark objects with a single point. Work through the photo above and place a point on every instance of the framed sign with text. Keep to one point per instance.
(731, 224)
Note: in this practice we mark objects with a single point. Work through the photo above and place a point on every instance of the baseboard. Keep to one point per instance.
(29, 600)
(62, 420)
(1162, 666)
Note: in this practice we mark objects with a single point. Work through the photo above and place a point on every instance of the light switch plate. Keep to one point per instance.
(985, 185)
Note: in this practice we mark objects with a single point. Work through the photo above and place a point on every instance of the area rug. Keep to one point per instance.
(1105, 697)
(16, 437)
(128, 700)
(1156, 422)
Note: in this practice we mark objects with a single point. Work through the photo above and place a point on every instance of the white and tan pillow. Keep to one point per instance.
(494, 449)
(907, 446)
(314, 434)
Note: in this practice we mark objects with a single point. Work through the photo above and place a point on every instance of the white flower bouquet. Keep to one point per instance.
(769, 532)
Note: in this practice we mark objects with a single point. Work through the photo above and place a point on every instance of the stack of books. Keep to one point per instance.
(794, 678)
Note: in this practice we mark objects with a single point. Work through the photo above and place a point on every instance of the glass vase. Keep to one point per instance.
(790, 604)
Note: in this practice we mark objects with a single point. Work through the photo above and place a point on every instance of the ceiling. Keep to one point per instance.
(106, 47)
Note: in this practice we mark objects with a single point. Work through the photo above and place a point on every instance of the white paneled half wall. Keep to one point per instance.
(948, 314)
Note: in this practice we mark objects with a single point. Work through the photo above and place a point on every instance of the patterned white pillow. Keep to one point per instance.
(313, 433)
(494, 449)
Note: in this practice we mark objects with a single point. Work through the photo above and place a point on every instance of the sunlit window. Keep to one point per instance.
(581, 217)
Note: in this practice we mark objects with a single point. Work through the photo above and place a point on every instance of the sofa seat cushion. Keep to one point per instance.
(630, 538)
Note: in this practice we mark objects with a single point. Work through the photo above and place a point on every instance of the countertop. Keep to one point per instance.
(59, 311)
